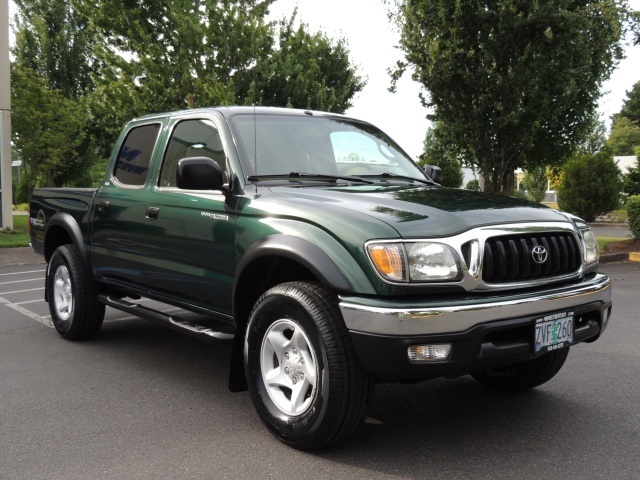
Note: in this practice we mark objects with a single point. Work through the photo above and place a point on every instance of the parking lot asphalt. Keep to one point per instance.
(142, 402)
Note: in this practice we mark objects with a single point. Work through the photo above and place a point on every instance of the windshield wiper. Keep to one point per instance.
(308, 176)
(402, 177)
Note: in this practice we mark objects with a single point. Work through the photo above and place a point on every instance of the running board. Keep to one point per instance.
(172, 321)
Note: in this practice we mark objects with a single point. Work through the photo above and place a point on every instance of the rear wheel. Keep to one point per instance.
(303, 375)
(525, 375)
(73, 299)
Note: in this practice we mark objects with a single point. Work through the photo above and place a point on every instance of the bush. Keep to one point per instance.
(473, 185)
(633, 214)
(590, 185)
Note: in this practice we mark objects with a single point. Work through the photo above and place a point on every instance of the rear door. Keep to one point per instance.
(119, 249)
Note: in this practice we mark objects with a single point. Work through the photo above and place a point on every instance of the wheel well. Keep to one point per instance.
(56, 236)
(258, 277)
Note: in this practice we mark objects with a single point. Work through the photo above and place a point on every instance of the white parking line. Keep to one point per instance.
(21, 273)
(29, 301)
(22, 291)
(21, 281)
(45, 320)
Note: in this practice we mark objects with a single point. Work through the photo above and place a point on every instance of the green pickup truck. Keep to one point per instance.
(325, 255)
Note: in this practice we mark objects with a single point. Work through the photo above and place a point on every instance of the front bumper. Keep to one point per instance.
(485, 331)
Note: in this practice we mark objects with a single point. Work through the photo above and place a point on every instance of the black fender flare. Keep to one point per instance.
(71, 227)
(298, 249)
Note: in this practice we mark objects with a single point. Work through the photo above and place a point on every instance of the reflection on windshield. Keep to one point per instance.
(280, 144)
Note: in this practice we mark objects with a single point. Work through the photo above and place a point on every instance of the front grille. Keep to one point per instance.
(509, 258)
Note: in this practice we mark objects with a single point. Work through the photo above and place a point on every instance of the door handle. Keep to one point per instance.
(152, 213)
(103, 206)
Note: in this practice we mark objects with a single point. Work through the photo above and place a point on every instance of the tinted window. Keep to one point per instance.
(274, 144)
(191, 138)
(134, 157)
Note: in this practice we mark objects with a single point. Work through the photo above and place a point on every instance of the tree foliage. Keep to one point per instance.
(48, 131)
(535, 182)
(512, 80)
(161, 56)
(631, 105)
(53, 39)
(473, 185)
(51, 75)
(306, 70)
(632, 178)
(121, 59)
(438, 151)
(624, 137)
(633, 214)
(590, 185)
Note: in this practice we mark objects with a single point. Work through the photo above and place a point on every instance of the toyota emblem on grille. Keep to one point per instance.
(539, 254)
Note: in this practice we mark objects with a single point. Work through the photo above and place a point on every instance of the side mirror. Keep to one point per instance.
(435, 173)
(199, 173)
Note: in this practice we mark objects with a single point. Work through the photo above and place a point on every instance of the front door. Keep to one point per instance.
(191, 235)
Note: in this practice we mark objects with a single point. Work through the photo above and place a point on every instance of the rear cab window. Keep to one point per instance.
(134, 157)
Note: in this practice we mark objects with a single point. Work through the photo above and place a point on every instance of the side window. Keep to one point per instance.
(134, 157)
(191, 138)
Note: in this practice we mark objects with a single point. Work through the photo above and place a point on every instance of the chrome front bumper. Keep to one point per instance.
(440, 314)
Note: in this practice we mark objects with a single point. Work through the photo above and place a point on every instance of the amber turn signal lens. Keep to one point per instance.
(388, 260)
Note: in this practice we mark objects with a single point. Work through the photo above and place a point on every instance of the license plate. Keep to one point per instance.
(553, 331)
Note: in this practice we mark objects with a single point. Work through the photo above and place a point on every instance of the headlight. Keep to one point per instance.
(590, 247)
(424, 262)
(433, 262)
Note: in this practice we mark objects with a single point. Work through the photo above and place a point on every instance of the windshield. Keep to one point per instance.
(317, 145)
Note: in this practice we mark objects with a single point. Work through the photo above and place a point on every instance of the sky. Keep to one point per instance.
(372, 42)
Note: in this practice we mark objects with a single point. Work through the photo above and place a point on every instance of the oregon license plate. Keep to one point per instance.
(553, 331)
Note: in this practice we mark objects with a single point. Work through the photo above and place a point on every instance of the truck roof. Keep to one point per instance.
(229, 111)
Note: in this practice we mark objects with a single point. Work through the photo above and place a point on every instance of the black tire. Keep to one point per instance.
(525, 375)
(73, 299)
(322, 408)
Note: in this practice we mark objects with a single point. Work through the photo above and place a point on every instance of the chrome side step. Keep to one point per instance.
(197, 330)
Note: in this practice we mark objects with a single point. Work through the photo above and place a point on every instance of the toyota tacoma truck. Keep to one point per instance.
(325, 255)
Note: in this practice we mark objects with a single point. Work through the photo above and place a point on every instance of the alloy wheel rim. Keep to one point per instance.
(62, 293)
(289, 367)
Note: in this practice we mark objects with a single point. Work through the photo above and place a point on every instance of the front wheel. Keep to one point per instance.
(525, 375)
(303, 375)
(73, 299)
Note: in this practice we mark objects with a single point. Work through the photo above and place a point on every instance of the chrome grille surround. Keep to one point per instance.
(471, 244)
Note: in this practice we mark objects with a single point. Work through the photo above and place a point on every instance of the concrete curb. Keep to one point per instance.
(613, 257)
(634, 256)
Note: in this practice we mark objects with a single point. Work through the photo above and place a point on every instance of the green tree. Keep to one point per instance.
(624, 136)
(159, 55)
(631, 105)
(306, 70)
(437, 151)
(590, 185)
(632, 177)
(47, 131)
(511, 80)
(535, 182)
(53, 39)
(51, 74)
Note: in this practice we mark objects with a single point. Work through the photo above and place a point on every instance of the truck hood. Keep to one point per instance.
(419, 211)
